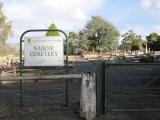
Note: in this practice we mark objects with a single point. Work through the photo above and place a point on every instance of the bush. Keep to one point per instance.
(147, 59)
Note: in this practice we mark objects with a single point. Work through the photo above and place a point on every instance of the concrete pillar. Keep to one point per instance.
(88, 97)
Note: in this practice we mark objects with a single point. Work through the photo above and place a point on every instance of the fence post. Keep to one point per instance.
(88, 97)
(100, 87)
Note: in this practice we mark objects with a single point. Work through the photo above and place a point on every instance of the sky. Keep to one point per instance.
(142, 16)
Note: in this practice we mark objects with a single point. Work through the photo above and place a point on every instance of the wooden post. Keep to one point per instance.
(88, 97)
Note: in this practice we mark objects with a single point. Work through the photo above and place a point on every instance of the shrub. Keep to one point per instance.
(147, 59)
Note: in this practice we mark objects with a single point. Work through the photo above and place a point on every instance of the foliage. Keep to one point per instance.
(131, 41)
(144, 43)
(147, 59)
(126, 42)
(153, 37)
(99, 35)
(52, 33)
(136, 44)
(74, 44)
(5, 26)
(153, 41)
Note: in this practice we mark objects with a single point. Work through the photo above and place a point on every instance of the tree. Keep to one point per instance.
(153, 37)
(131, 41)
(74, 44)
(126, 42)
(136, 44)
(153, 41)
(52, 33)
(99, 35)
(5, 26)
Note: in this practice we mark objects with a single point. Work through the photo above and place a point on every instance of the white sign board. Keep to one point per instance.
(43, 51)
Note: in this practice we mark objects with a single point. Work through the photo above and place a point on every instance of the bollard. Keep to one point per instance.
(100, 87)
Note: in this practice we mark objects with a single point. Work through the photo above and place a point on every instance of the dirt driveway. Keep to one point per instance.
(46, 100)
(131, 91)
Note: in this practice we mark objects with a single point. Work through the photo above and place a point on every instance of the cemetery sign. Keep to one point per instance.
(43, 51)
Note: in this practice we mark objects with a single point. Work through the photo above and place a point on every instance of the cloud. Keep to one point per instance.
(146, 3)
(156, 28)
(138, 29)
(154, 4)
(157, 3)
(68, 15)
(19, 13)
(141, 30)
(51, 11)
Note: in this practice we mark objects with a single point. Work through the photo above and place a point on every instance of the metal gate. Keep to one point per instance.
(24, 93)
(22, 60)
(36, 91)
(132, 87)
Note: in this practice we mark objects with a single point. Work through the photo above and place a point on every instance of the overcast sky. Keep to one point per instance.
(142, 16)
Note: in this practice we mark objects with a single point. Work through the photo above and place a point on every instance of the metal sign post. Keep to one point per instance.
(100, 86)
(22, 64)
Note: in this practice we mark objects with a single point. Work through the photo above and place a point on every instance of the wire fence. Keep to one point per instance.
(132, 87)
